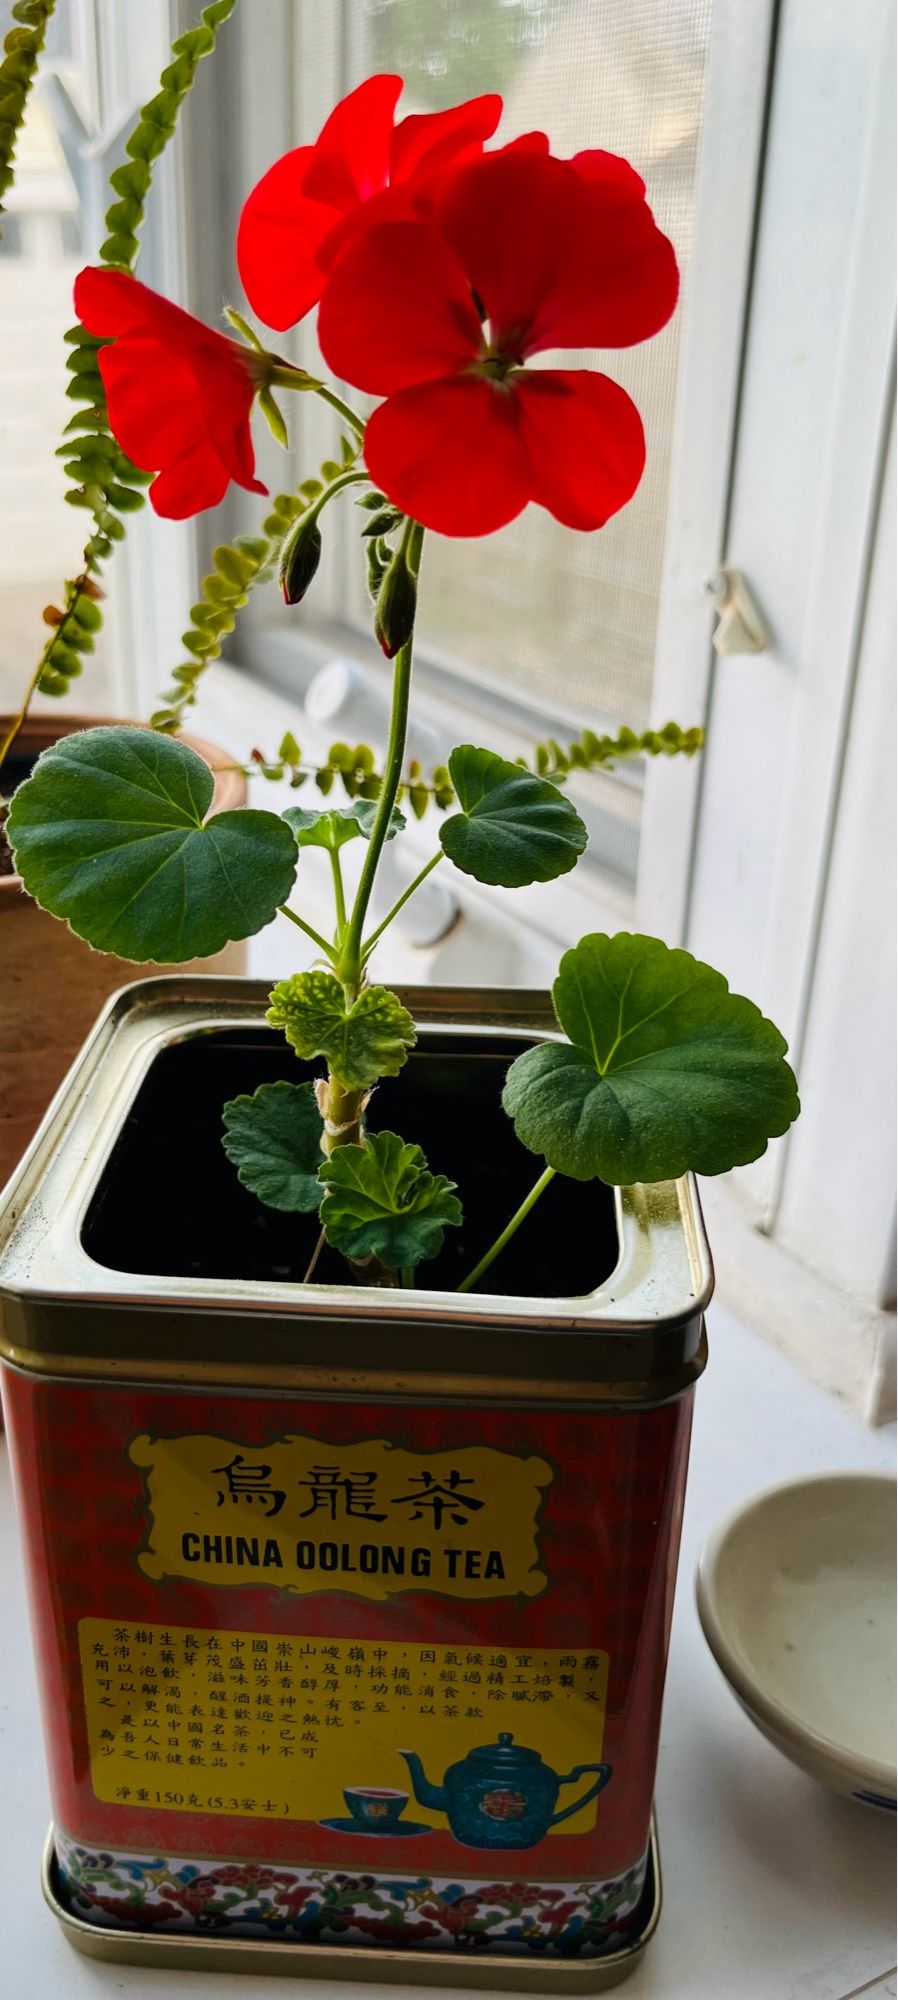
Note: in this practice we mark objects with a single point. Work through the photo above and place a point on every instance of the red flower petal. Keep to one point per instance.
(425, 142)
(450, 455)
(559, 258)
(152, 400)
(594, 165)
(584, 441)
(179, 394)
(199, 480)
(280, 233)
(111, 302)
(397, 310)
(352, 151)
(624, 286)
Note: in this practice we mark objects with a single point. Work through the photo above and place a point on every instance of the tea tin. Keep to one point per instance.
(351, 1607)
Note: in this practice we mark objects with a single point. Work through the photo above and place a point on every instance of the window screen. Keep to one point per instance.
(565, 621)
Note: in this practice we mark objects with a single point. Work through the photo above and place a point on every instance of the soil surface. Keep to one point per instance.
(169, 1201)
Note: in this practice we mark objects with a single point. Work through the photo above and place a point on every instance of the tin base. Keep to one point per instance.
(506, 1972)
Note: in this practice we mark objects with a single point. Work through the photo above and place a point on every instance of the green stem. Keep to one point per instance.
(508, 1231)
(397, 906)
(336, 486)
(339, 897)
(351, 956)
(301, 925)
(408, 1276)
(19, 720)
(285, 377)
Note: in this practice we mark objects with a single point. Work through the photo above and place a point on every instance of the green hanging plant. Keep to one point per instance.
(22, 50)
(104, 481)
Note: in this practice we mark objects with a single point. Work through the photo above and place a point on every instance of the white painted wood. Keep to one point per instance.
(838, 1201)
(810, 436)
(714, 316)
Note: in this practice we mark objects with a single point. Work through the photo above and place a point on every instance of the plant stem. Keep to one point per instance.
(347, 478)
(285, 377)
(316, 1253)
(22, 716)
(351, 956)
(301, 924)
(509, 1230)
(408, 1276)
(339, 897)
(397, 906)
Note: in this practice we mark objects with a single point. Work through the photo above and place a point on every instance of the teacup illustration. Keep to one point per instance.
(373, 1805)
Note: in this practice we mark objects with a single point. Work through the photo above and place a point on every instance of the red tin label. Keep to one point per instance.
(320, 1633)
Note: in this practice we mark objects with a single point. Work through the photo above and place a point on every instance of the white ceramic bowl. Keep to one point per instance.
(796, 1595)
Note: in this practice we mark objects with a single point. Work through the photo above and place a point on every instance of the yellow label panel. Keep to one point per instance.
(271, 1727)
(367, 1520)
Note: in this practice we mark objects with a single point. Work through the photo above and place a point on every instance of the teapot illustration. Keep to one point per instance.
(501, 1795)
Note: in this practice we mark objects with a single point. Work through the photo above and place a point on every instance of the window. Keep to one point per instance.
(543, 628)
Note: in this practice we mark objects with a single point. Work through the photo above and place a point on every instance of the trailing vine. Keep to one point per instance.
(21, 54)
(237, 567)
(104, 481)
(354, 767)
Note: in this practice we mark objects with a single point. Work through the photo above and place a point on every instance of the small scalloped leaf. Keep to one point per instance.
(333, 827)
(273, 1138)
(381, 1200)
(361, 1043)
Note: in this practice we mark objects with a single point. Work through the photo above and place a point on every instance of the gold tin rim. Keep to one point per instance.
(368, 1964)
(139, 1021)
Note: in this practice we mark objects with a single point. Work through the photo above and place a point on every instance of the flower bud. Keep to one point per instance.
(394, 612)
(300, 556)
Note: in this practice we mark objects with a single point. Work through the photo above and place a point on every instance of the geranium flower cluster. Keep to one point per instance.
(440, 269)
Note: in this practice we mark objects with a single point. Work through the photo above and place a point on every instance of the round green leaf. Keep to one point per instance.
(382, 1201)
(513, 828)
(109, 834)
(333, 828)
(666, 1070)
(360, 1043)
(274, 1140)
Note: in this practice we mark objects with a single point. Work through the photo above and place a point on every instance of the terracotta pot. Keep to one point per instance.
(52, 985)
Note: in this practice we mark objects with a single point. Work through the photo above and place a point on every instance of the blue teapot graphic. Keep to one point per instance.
(501, 1795)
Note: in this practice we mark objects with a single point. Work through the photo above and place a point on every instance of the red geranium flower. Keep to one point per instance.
(524, 253)
(302, 210)
(179, 394)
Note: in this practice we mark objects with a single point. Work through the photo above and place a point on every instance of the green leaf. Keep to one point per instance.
(513, 828)
(366, 1041)
(274, 1140)
(109, 834)
(332, 829)
(382, 1201)
(665, 1070)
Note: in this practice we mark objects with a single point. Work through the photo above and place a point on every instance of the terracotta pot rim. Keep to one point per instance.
(40, 731)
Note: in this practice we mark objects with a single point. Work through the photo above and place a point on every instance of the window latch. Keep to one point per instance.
(741, 626)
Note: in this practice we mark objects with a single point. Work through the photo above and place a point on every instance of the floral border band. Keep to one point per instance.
(316, 1905)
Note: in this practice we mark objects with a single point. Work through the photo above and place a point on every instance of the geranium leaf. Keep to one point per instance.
(333, 828)
(513, 828)
(382, 1201)
(274, 1140)
(666, 1070)
(360, 1043)
(110, 833)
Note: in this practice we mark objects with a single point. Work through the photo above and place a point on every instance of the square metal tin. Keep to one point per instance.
(637, 1339)
(497, 1972)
